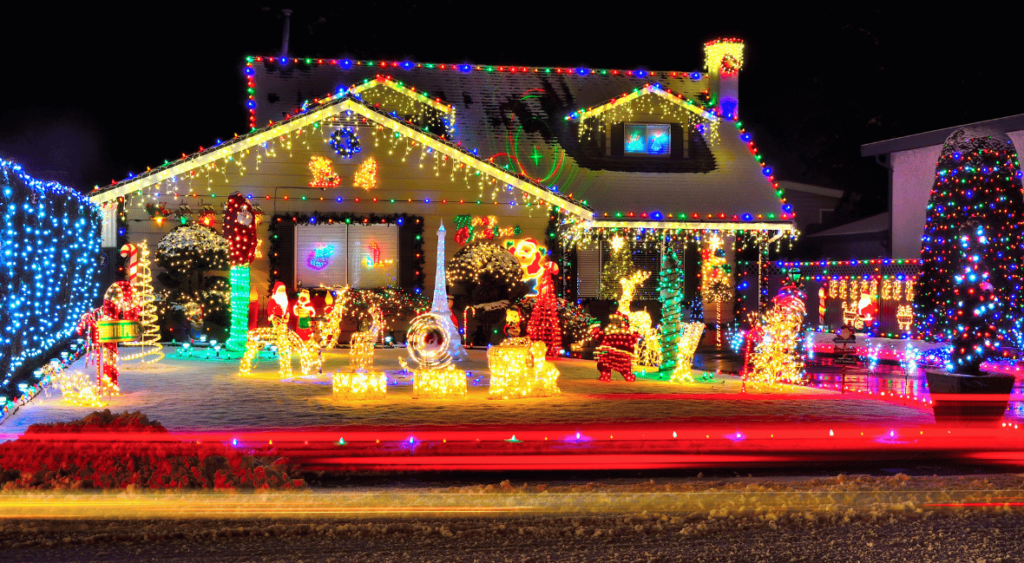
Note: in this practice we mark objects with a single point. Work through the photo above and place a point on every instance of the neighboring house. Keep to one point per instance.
(911, 161)
(658, 156)
(812, 205)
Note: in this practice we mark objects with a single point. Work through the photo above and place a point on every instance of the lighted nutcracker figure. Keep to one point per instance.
(615, 346)
(304, 312)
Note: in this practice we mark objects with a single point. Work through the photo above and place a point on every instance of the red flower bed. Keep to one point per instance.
(34, 463)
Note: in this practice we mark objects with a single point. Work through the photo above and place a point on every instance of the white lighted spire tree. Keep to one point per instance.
(440, 304)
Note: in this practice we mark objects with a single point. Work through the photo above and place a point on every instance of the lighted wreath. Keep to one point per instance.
(345, 142)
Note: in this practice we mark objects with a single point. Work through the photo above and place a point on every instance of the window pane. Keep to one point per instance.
(372, 256)
(659, 140)
(636, 138)
(320, 255)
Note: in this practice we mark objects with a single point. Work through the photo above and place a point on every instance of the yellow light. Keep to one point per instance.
(518, 370)
(144, 298)
(775, 359)
(324, 175)
(360, 385)
(689, 338)
(366, 175)
(448, 382)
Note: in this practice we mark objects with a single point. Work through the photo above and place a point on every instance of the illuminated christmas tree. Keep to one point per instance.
(776, 358)
(620, 265)
(978, 179)
(670, 285)
(979, 307)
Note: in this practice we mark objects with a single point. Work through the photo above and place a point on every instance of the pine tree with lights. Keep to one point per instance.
(979, 308)
(978, 179)
(620, 265)
(670, 285)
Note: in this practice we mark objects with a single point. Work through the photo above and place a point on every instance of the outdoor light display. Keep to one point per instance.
(345, 142)
(366, 175)
(240, 231)
(715, 278)
(518, 370)
(429, 345)
(977, 178)
(689, 338)
(471, 228)
(647, 100)
(725, 55)
(439, 306)
(149, 341)
(116, 321)
(615, 347)
(537, 269)
(775, 356)
(619, 266)
(980, 310)
(49, 247)
(77, 388)
(670, 285)
(323, 172)
(544, 325)
(648, 347)
(360, 382)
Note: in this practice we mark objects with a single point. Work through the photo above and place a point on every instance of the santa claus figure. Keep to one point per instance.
(304, 312)
(615, 346)
(277, 307)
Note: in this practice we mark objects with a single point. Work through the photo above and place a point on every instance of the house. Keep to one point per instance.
(911, 162)
(355, 165)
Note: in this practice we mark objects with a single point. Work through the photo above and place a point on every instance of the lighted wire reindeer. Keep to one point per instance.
(362, 342)
(648, 348)
(287, 342)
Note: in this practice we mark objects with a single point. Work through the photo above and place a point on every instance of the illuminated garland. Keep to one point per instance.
(645, 101)
(49, 248)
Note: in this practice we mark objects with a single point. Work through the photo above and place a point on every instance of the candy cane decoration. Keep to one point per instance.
(131, 252)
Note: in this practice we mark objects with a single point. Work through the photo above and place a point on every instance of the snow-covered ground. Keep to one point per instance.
(192, 394)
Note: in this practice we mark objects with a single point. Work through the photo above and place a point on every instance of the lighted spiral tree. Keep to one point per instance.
(240, 230)
(977, 337)
(977, 178)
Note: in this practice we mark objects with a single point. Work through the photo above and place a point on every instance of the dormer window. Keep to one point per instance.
(653, 139)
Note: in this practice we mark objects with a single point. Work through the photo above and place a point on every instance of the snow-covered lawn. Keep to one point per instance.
(191, 394)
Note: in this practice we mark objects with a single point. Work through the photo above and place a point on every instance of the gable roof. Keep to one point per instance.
(516, 118)
(939, 136)
(345, 101)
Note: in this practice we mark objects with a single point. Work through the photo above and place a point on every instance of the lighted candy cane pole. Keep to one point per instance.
(131, 252)
(240, 230)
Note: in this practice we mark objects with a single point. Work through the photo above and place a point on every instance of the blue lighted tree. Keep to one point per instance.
(979, 309)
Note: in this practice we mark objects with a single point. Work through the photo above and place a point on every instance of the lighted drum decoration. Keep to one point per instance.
(436, 377)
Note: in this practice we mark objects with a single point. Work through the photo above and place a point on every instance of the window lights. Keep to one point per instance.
(648, 138)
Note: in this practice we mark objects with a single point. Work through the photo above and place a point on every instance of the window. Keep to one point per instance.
(649, 139)
(362, 256)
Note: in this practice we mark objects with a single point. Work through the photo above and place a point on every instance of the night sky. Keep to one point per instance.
(89, 94)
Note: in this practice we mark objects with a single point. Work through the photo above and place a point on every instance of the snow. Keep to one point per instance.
(190, 394)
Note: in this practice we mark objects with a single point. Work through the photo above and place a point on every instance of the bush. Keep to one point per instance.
(36, 462)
